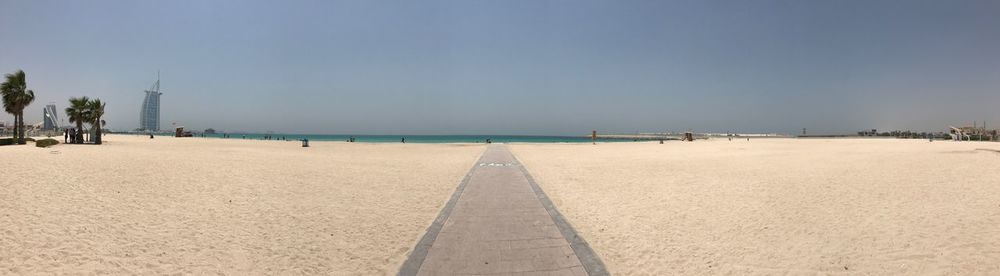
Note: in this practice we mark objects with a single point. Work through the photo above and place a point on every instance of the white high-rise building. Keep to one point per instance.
(149, 116)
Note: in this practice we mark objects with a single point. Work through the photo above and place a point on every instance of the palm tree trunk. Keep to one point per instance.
(23, 132)
(97, 137)
(20, 125)
(79, 132)
(15, 128)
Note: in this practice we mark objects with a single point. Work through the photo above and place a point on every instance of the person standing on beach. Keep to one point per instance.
(402, 140)
(65, 136)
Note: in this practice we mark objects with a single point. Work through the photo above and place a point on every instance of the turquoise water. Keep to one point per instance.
(420, 138)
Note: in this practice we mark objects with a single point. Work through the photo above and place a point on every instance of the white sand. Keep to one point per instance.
(769, 206)
(780, 206)
(206, 206)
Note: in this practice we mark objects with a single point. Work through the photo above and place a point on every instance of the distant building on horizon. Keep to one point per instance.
(50, 117)
(149, 116)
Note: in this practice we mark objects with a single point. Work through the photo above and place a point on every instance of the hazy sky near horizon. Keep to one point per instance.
(515, 67)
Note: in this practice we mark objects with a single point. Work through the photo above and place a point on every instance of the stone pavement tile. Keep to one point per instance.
(548, 260)
(453, 242)
(551, 252)
(496, 213)
(461, 261)
(558, 272)
(536, 243)
(528, 224)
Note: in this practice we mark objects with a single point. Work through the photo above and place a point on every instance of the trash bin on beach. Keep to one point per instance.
(305, 143)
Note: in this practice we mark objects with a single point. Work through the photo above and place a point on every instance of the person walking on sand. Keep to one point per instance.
(402, 140)
(65, 136)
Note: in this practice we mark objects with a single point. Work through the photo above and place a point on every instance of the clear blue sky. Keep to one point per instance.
(515, 67)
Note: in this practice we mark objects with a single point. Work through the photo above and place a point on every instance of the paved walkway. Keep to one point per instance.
(500, 222)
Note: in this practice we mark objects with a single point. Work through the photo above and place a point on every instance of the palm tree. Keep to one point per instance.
(8, 106)
(96, 109)
(16, 97)
(79, 113)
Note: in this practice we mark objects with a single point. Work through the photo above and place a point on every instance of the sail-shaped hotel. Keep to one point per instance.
(149, 116)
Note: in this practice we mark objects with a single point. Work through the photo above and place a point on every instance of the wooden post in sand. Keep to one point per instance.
(593, 137)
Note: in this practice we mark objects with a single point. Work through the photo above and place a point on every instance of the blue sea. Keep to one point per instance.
(415, 138)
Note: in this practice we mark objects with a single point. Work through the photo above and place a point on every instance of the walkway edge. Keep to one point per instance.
(591, 262)
(416, 258)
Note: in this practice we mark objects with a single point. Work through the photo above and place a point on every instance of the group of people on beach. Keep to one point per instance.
(266, 137)
(351, 139)
(270, 137)
(71, 136)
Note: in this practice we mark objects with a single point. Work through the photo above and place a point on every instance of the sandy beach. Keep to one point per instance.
(212, 206)
(767, 206)
(780, 206)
